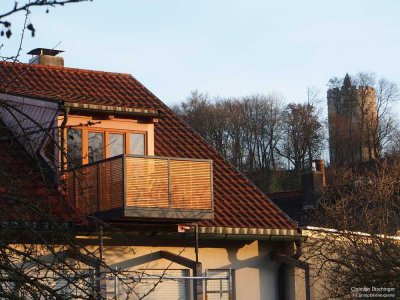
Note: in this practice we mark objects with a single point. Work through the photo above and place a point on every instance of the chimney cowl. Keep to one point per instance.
(46, 57)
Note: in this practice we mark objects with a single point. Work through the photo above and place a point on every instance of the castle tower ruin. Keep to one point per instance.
(352, 123)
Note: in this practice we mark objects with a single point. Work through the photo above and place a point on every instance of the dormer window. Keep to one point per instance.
(116, 144)
(95, 142)
(74, 146)
(93, 138)
(138, 143)
(85, 145)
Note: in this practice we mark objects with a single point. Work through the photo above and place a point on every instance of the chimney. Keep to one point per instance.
(320, 167)
(313, 183)
(46, 57)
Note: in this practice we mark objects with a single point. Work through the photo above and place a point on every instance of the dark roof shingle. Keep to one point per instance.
(291, 202)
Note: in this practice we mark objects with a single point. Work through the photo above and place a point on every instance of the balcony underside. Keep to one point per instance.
(134, 213)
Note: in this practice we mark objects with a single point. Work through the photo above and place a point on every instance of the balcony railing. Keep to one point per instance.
(142, 187)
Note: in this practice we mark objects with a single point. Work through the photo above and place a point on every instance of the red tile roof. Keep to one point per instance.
(238, 203)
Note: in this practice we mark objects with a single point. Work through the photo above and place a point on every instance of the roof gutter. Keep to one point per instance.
(113, 110)
(266, 234)
(248, 230)
(252, 237)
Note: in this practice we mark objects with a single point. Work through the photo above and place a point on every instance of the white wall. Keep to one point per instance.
(256, 275)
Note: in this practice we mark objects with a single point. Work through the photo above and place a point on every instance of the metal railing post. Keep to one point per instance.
(212, 184)
(169, 184)
(230, 285)
(124, 172)
(116, 289)
(74, 191)
(98, 200)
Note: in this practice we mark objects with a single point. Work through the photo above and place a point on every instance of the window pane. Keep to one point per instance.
(137, 143)
(74, 147)
(116, 144)
(95, 146)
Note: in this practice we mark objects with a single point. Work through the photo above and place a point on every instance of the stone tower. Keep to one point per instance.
(352, 123)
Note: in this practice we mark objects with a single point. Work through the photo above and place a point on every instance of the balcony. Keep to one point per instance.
(143, 187)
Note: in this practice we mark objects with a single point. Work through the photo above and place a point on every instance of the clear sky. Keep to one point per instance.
(223, 47)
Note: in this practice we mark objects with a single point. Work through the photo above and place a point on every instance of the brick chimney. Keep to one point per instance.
(46, 57)
(313, 183)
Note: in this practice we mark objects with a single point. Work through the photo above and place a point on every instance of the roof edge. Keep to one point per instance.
(249, 231)
(118, 110)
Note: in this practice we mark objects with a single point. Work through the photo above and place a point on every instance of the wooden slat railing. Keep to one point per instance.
(142, 182)
(97, 186)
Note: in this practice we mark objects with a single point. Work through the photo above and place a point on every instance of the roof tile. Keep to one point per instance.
(238, 203)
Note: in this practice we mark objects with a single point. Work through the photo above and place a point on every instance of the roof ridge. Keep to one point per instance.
(69, 69)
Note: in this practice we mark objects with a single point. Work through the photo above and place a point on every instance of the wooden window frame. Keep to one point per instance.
(128, 150)
(85, 158)
(106, 134)
(107, 138)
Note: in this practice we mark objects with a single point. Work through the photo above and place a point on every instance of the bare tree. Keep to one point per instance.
(302, 135)
(354, 242)
(387, 93)
(25, 7)
(194, 110)
(254, 133)
(263, 131)
(245, 130)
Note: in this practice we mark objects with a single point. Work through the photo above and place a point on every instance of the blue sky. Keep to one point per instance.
(223, 47)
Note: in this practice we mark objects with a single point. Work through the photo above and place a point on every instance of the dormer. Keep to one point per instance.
(92, 133)
(96, 132)
(110, 169)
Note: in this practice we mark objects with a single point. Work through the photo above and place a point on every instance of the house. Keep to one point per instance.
(113, 151)
(298, 204)
(347, 226)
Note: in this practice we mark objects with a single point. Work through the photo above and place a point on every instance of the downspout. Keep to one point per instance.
(100, 274)
(282, 288)
(306, 268)
(292, 261)
(198, 284)
(196, 237)
(62, 139)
